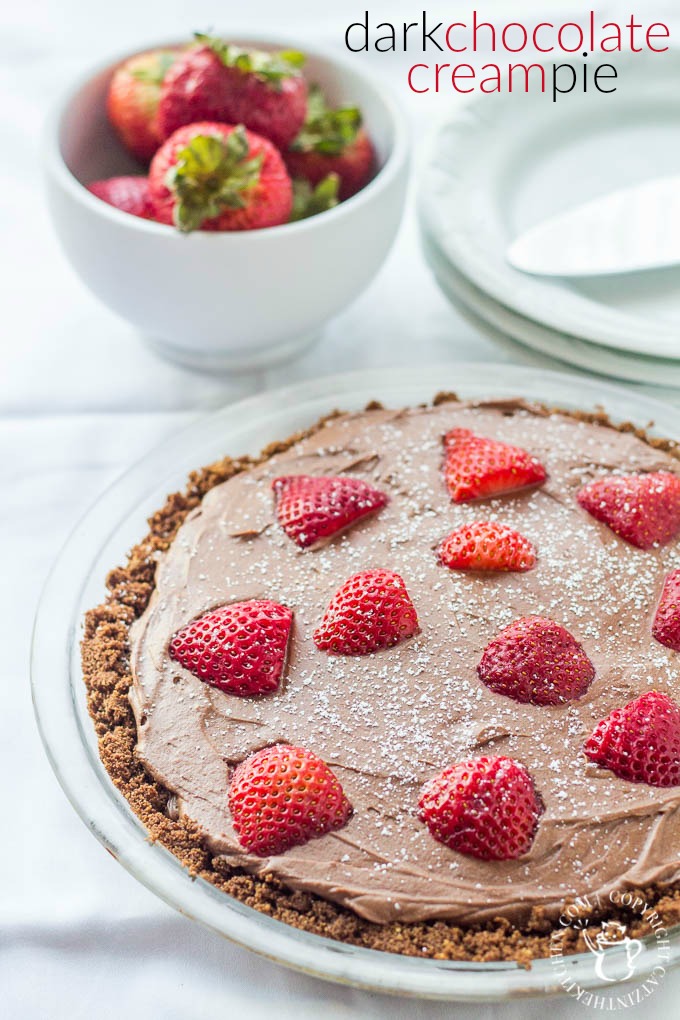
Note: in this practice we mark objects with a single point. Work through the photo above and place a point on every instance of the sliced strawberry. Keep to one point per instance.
(133, 98)
(476, 467)
(488, 808)
(129, 194)
(486, 545)
(313, 508)
(371, 610)
(666, 625)
(283, 796)
(640, 742)
(536, 661)
(217, 81)
(332, 142)
(642, 509)
(212, 176)
(240, 648)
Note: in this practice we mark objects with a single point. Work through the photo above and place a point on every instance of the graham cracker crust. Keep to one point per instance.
(106, 671)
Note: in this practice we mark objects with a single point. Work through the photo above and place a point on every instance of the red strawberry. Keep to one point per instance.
(240, 648)
(643, 509)
(312, 508)
(369, 611)
(283, 796)
(666, 625)
(476, 467)
(332, 141)
(486, 545)
(216, 81)
(488, 808)
(535, 660)
(218, 177)
(133, 97)
(129, 194)
(640, 742)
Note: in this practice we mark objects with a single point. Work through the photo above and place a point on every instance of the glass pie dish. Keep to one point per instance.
(117, 521)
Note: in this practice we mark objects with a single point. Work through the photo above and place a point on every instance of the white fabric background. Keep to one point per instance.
(80, 398)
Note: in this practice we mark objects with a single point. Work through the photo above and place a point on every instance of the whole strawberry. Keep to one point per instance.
(371, 610)
(332, 141)
(536, 661)
(310, 509)
(486, 545)
(640, 742)
(642, 509)
(666, 625)
(476, 467)
(129, 194)
(240, 648)
(283, 796)
(216, 81)
(133, 98)
(212, 176)
(488, 808)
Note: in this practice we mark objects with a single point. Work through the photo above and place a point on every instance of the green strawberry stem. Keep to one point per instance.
(269, 67)
(212, 174)
(325, 130)
(308, 201)
(159, 63)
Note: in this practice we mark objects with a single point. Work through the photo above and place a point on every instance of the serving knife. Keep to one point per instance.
(625, 231)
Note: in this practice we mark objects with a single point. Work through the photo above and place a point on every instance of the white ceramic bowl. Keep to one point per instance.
(225, 301)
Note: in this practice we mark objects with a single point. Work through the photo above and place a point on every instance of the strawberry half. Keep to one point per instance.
(129, 194)
(486, 545)
(642, 509)
(283, 796)
(536, 661)
(212, 176)
(476, 467)
(313, 508)
(666, 625)
(133, 98)
(371, 610)
(488, 808)
(240, 648)
(220, 82)
(332, 142)
(640, 742)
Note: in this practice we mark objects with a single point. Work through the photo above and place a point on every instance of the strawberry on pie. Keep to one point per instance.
(239, 648)
(477, 467)
(488, 808)
(644, 509)
(640, 742)
(310, 509)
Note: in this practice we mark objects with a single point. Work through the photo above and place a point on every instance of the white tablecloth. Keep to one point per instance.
(80, 398)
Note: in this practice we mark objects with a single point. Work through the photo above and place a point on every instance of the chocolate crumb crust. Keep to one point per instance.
(106, 671)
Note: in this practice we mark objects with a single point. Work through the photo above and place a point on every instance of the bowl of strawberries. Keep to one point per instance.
(225, 197)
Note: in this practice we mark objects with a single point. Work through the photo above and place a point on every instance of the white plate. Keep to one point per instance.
(570, 349)
(506, 162)
(100, 541)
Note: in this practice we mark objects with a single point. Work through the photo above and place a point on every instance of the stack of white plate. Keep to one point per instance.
(506, 162)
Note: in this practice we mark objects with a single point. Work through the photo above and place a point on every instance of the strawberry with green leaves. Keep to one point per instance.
(133, 98)
(217, 81)
(332, 142)
(210, 176)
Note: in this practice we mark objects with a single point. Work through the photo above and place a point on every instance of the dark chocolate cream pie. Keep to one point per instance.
(411, 679)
